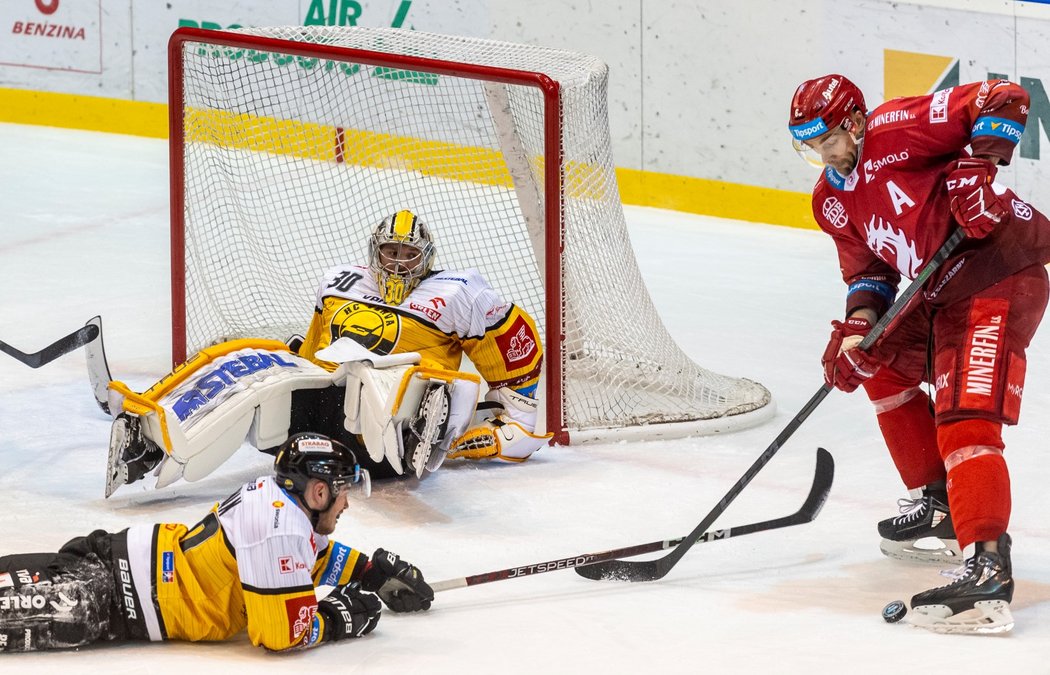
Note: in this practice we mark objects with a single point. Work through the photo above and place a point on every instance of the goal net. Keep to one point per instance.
(288, 144)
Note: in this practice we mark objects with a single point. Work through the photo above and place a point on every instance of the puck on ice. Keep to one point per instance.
(894, 612)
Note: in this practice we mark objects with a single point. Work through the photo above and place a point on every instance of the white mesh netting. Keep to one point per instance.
(289, 161)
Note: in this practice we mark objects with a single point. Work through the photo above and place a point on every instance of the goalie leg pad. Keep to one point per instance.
(408, 415)
(202, 413)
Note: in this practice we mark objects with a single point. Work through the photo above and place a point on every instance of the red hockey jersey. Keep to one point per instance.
(891, 214)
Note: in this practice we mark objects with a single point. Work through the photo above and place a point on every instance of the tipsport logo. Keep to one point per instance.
(915, 74)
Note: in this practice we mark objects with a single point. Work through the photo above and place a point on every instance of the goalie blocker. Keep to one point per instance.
(407, 415)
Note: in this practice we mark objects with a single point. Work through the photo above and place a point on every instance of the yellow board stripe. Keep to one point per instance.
(717, 198)
(370, 149)
(92, 113)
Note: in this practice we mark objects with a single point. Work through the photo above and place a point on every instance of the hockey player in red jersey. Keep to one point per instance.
(252, 564)
(896, 182)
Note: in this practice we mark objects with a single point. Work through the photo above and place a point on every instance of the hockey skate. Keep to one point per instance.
(424, 433)
(131, 455)
(923, 532)
(978, 601)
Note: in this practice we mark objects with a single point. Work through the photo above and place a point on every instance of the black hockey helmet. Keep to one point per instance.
(311, 455)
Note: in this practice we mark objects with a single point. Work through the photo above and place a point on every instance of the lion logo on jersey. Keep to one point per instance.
(374, 328)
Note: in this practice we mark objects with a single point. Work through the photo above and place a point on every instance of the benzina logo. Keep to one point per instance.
(51, 30)
(46, 28)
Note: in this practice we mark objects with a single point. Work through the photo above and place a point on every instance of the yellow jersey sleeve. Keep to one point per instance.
(318, 336)
(509, 353)
(338, 564)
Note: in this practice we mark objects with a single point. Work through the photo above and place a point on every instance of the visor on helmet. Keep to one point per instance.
(804, 139)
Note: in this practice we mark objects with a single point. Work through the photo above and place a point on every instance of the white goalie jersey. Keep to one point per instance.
(449, 313)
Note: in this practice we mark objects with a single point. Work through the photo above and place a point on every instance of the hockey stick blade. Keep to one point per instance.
(61, 347)
(818, 494)
(651, 570)
(98, 367)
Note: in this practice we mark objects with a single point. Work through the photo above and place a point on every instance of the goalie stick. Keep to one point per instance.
(818, 494)
(98, 367)
(651, 570)
(61, 347)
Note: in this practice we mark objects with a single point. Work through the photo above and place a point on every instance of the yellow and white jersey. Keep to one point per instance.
(449, 313)
(253, 562)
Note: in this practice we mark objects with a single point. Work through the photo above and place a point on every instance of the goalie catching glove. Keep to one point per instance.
(502, 429)
(399, 583)
(348, 613)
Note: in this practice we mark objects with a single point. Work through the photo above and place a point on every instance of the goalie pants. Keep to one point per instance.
(321, 411)
(69, 598)
(977, 351)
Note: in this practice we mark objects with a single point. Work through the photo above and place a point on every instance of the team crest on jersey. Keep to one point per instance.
(835, 212)
(1021, 210)
(517, 344)
(374, 328)
(300, 612)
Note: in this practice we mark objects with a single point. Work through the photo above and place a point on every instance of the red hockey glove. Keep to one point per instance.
(845, 366)
(974, 204)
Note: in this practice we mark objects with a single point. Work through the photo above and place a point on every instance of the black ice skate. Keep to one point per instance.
(923, 533)
(978, 601)
(131, 454)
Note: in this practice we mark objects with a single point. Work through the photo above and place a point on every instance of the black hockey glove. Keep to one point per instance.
(349, 613)
(398, 583)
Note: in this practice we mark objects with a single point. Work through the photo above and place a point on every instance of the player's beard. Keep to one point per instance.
(848, 164)
(850, 158)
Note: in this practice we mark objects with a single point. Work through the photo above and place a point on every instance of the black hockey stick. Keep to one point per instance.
(651, 570)
(818, 494)
(74, 340)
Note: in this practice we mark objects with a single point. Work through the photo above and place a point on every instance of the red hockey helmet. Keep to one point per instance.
(820, 105)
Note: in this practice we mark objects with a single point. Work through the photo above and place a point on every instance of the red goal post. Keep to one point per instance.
(289, 143)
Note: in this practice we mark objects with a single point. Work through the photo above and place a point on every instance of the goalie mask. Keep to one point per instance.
(401, 255)
(308, 456)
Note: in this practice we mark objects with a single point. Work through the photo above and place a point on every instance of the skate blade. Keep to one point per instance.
(435, 412)
(988, 617)
(944, 552)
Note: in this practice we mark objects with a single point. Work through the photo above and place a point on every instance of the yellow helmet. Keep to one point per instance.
(401, 253)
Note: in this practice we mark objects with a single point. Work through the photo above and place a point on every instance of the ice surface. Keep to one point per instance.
(83, 231)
